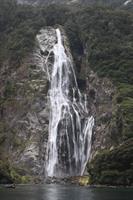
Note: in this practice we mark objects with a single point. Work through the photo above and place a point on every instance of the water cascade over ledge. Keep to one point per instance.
(70, 125)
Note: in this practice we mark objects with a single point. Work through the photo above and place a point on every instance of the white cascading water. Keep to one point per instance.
(70, 126)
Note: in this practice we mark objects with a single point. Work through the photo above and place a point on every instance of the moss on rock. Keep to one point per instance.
(113, 167)
(10, 174)
(84, 180)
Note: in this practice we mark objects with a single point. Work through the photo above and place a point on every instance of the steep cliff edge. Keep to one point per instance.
(105, 68)
(25, 113)
(101, 43)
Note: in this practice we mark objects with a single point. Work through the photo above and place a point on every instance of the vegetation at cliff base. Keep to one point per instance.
(104, 36)
(113, 167)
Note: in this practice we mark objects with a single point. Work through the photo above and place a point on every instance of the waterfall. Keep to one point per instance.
(70, 126)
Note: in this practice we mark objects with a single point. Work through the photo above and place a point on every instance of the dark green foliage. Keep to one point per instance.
(107, 36)
(9, 89)
(113, 167)
(104, 37)
(7, 17)
(5, 172)
(55, 14)
(9, 174)
(19, 26)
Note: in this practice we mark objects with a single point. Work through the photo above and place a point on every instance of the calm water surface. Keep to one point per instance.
(60, 192)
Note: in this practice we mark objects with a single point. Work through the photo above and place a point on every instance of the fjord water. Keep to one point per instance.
(70, 125)
(63, 192)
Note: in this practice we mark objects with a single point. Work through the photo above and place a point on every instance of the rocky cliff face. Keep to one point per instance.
(25, 110)
(101, 97)
(101, 93)
(68, 2)
(101, 43)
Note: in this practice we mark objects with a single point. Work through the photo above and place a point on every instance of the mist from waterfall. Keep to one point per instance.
(70, 126)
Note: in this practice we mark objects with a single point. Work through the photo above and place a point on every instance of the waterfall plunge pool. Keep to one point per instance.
(64, 192)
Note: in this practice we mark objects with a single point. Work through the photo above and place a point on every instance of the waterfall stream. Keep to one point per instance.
(70, 126)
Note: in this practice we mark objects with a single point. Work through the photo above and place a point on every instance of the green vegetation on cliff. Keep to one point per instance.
(113, 167)
(18, 28)
(107, 38)
(10, 174)
(104, 36)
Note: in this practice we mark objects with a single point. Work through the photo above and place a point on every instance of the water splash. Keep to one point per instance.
(127, 2)
(70, 127)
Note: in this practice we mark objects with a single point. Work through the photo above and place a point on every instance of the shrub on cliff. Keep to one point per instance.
(114, 167)
(106, 37)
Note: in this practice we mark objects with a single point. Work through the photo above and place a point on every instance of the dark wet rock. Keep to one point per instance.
(76, 180)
